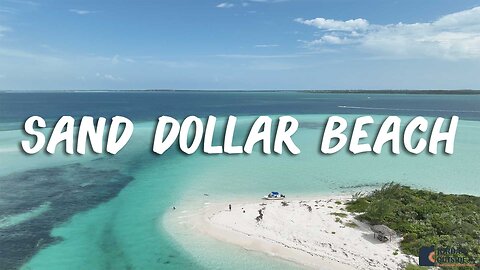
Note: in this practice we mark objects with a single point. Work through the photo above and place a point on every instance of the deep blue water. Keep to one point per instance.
(140, 106)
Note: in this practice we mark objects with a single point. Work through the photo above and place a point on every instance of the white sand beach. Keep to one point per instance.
(314, 233)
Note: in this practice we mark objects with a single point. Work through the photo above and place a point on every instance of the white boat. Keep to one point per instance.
(274, 196)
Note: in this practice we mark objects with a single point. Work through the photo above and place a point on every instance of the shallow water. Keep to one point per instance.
(121, 227)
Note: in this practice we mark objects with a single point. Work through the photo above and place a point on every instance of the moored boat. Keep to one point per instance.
(274, 196)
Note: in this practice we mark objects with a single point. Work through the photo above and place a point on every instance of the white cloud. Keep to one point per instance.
(247, 3)
(266, 45)
(8, 10)
(327, 39)
(116, 59)
(268, 1)
(20, 54)
(173, 64)
(24, 2)
(454, 36)
(108, 77)
(334, 25)
(334, 39)
(4, 29)
(258, 56)
(225, 5)
(81, 11)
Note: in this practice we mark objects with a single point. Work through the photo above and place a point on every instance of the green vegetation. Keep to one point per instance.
(351, 224)
(343, 215)
(423, 218)
(414, 267)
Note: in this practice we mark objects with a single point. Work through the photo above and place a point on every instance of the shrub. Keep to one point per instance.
(343, 215)
(423, 217)
(351, 224)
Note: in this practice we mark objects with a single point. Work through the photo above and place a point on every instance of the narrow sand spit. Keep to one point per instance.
(317, 234)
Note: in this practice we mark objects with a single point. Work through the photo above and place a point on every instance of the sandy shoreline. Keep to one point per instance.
(314, 233)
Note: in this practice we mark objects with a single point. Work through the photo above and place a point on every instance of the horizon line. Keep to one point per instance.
(412, 91)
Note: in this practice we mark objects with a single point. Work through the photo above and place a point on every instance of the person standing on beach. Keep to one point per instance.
(230, 207)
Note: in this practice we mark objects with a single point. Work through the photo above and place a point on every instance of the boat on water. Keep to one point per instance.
(274, 196)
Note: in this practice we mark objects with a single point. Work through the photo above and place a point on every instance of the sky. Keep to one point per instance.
(239, 44)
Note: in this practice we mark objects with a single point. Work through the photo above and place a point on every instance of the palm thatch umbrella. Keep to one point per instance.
(383, 232)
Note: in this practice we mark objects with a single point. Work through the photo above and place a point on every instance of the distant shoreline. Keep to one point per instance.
(406, 91)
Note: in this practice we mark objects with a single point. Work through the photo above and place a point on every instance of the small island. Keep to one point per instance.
(379, 229)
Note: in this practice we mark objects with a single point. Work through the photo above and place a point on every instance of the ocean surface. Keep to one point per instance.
(105, 212)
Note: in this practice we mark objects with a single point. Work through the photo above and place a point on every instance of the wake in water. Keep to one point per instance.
(405, 109)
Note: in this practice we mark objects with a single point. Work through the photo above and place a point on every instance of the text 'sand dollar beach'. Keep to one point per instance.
(117, 212)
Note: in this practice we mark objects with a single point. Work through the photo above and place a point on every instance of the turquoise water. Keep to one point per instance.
(127, 233)
(126, 230)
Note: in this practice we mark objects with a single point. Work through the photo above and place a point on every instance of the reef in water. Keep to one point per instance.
(66, 190)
